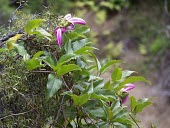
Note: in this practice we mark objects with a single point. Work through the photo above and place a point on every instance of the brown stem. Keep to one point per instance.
(65, 84)
(42, 72)
(22, 113)
(90, 118)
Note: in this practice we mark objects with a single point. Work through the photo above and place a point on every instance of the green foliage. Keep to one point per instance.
(32, 24)
(34, 62)
(62, 86)
(108, 64)
(67, 68)
(53, 85)
(138, 106)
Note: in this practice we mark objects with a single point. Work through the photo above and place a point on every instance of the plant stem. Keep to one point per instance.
(14, 115)
(134, 120)
(65, 84)
(42, 71)
(90, 118)
(58, 113)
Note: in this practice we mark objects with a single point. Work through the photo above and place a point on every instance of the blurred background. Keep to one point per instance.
(136, 31)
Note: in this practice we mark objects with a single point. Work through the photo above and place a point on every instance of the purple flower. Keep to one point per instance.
(124, 90)
(66, 23)
(74, 20)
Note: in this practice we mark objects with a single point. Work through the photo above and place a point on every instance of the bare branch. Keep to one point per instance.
(17, 114)
(42, 71)
(10, 35)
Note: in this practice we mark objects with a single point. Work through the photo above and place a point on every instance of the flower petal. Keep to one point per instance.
(76, 20)
(124, 100)
(63, 30)
(128, 87)
(67, 17)
(59, 37)
(55, 31)
(70, 27)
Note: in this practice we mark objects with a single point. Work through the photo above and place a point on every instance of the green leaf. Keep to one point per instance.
(118, 88)
(117, 112)
(98, 85)
(109, 94)
(122, 125)
(41, 31)
(115, 105)
(3, 50)
(65, 58)
(84, 50)
(141, 104)
(116, 74)
(98, 112)
(67, 68)
(121, 113)
(109, 113)
(132, 79)
(48, 60)
(68, 47)
(34, 62)
(132, 103)
(99, 96)
(96, 60)
(70, 112)
(89, 89)
(91, 68)
(107, 85)
(53, 85)
(79, 44)
(126, 73)
(74, 35)
(32, 24)
(105, 67)
(105, 108)
(82, 29)
(38, 54)
(123, 121)
(21, 51)
(80, 100)
(94, 77)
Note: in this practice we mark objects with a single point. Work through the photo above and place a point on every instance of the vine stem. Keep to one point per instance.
(65, 83)
(15, 114)
(42, 71)
(59, 110)
(134, 120)
(90, 118)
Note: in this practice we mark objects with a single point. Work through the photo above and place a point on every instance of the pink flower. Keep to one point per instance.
(67, 23)
(74, 20)
(127, 88)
